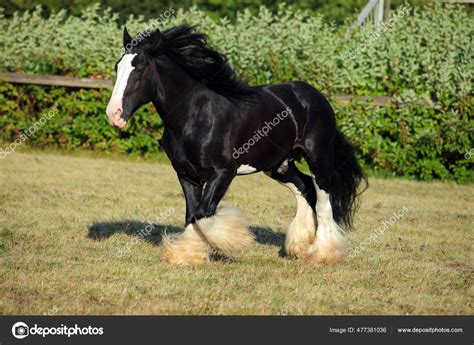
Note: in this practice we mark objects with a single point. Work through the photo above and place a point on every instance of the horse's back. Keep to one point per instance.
(307, 104)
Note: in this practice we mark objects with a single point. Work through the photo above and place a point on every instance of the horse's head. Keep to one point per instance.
(134, 86)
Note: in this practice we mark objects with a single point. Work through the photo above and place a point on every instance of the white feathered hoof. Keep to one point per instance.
(298, 248)
(227, 230)
(328, 248)
(189, 248)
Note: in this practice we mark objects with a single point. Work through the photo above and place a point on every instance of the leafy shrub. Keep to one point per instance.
(426, 54)
(410, 140)
(80, 121)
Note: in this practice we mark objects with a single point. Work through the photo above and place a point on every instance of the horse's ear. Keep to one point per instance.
(155, 40)
(127, 39)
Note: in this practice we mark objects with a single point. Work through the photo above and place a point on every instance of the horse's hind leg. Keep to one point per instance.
(319, 152)
(189, 248)
(302, 230)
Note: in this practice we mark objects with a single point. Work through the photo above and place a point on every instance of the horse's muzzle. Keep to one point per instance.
(114, 113)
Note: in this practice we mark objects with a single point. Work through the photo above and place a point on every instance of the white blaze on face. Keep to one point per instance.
(115, 107)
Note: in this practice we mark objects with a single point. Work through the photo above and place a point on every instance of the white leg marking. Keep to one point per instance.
(283, 168)
(245, 169)
(330, 241)
(302, 229)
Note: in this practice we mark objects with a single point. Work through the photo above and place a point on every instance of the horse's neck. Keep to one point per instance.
(174, 90)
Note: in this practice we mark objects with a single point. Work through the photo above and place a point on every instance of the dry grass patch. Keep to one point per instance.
(63, 220)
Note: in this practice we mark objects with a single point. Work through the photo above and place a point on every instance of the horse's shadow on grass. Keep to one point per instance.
(153, 232)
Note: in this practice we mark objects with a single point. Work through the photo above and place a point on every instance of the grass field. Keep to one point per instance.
(64, 219)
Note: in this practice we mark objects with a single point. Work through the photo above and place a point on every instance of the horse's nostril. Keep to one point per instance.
(118, 112)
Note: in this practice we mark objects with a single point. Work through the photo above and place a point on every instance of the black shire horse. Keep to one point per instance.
(217, 127)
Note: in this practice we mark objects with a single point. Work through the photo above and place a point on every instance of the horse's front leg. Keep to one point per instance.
(216, 187)
(225, 229)
(189, 248)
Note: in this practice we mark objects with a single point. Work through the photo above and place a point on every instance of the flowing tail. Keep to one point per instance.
(347, 178)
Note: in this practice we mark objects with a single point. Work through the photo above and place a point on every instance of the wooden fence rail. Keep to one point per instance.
(89, 83)
(55, 80)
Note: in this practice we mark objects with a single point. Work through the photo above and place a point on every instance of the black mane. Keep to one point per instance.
(191, 50)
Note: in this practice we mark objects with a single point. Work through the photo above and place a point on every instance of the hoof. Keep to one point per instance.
(186, 249)
(298, 249)
(327, 250)
(227, 230)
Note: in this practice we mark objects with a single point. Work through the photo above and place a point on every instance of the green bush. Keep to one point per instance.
(426, 55)
(410, 140)
(80, 121)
